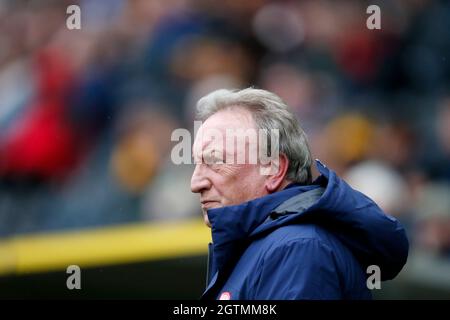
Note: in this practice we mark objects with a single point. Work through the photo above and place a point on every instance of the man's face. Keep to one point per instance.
(223, 184)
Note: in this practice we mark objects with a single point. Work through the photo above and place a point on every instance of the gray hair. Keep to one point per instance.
(269, 112)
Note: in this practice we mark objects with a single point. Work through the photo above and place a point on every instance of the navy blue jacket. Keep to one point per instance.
(304, 242)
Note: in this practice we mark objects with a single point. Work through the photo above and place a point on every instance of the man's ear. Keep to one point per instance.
(278, 174)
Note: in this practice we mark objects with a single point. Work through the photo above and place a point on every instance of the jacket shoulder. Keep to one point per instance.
(297, 233)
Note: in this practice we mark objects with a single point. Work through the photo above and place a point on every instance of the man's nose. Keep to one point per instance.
(199, 181)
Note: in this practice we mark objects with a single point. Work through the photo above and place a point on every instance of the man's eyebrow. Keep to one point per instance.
(203, 147)
(206, 144)
(212, 151)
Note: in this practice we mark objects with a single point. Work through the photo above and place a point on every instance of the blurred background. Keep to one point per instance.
(86, 118)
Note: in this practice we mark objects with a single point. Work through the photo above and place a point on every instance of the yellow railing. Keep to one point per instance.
(104, 246)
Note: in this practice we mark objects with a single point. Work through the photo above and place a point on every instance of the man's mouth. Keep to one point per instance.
(209, 204)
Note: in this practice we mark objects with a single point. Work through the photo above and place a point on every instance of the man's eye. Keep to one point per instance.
(213, 161)
(213, 158)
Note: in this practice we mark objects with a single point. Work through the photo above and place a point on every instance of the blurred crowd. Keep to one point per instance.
(86, 115)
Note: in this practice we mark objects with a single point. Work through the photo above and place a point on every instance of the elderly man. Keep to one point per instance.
(276, 233)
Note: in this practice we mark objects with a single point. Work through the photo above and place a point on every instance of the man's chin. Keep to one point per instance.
(207, 207)
(206, 220)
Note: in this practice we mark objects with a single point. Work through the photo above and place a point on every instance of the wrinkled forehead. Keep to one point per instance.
(222, 125)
